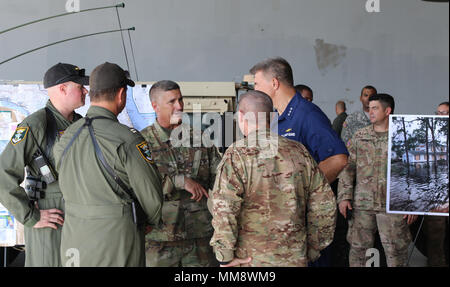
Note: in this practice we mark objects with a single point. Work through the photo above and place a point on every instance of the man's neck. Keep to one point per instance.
(67, 113)
(167, 126)
(366, 109)
(282, 100)
(251, 129)
(110, 106)
(382, 126)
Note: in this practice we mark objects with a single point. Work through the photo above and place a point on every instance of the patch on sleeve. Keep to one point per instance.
(61, 133)
(145, 151)
(19, 135)
(349, 142)
(344, 125)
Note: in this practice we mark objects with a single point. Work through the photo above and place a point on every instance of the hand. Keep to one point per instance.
(410, 218)
(343, 205)
(237, 262)
(195, 189)
(49, 218)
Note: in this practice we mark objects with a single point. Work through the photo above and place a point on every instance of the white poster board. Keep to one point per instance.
(8, 228)
(418, 170)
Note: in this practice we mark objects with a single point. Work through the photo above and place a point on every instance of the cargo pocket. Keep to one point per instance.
(171, 220)
(197, 220)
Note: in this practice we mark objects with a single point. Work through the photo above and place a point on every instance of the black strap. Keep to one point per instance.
(75, 136)
(51, 131)
(139, 216)
(98, 152)
(102, 159)
(41, 152)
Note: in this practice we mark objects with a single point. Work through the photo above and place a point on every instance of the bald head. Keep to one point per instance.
(255, 108)
(256, 102)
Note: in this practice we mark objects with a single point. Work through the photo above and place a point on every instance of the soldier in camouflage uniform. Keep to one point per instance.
(352, 123)
(271, 204)
(367, 198)
(188, 172)
(41, 216)
(359, 119)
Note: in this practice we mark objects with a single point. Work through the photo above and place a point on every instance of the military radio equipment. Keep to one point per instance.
(34, 186)
(138, 213)
(44, 168)
(40, 158)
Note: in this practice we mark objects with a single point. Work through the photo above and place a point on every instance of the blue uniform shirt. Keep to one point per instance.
(304, 122)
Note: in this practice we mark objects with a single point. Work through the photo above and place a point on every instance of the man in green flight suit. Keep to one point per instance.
(188, 172)
(108, 180)
(40, 208)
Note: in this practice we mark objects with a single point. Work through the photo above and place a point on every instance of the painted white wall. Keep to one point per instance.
(336, 47)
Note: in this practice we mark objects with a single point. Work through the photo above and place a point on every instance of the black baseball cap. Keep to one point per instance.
(109, 76)
(62, 72)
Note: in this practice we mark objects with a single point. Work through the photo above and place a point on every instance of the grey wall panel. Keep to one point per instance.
(336, 47)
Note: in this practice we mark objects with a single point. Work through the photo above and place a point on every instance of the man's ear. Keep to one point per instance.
(388, 111)
(275, 83)
(121, 96)
(63, 89)
(154, 105)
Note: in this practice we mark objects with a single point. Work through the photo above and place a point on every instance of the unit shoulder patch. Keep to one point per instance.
(19, 135)
(145, 151)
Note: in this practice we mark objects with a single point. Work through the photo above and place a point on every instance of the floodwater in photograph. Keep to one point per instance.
(421, 190)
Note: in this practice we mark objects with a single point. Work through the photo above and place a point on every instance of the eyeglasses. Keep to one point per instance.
(442, 113)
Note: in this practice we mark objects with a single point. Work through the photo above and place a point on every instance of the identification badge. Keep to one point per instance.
(145, 151)
(19, 135)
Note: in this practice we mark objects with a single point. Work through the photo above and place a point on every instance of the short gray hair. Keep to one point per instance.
(164, 86)
(278, 68)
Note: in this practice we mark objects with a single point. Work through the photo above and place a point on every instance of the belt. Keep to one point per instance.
(96, 211)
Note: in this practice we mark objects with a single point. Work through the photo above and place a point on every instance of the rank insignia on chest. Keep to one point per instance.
(145, 151)
(19, 135)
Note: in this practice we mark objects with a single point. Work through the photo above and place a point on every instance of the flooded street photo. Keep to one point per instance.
(422, 189)
(418, 168)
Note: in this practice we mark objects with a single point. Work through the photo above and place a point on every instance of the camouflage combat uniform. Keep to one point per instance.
(352, 123)
(183, 240)
(277, 209)
(367, 165)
